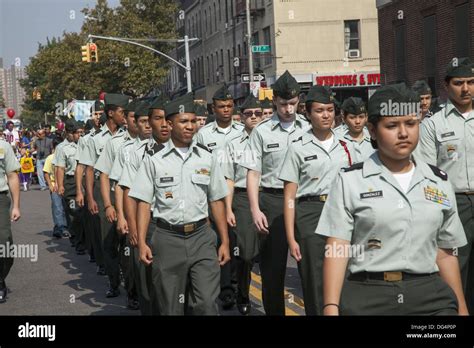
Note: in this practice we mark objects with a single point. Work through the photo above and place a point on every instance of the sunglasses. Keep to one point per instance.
(251, 113)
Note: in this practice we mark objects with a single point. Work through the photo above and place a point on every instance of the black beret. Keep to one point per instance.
(354, 106)
(250, 103)
(142, 109)
(98, 106)
(116, 99)
(421, 88)
(181, 105)
(393, 100)
(201, 110)
(303, 98)
(286, 86)
(267, 104)
(320, 94)
(159, 103)
(223, 94)
(132, 106)
(71, 125)
(80, 124)
(460, 67)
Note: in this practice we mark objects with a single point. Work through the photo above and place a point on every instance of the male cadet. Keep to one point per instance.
(201, 114)
(66, 166)
(215, 136)
(268, 143)
(147, 147)
(112, 244)
(9, 167)
(236, 115)
(237, 203)
(183, 178)
(267, 109)
(421, 88)
(447, 141)
(302, 105)
(114, 113)
(355, 118)
(90, 222)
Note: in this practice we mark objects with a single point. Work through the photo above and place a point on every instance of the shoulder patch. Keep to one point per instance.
(204, 147)
(439, 173)
(357, 166)
(296, 140)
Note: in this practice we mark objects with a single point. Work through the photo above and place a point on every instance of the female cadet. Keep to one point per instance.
(310, 166)
(399, 218)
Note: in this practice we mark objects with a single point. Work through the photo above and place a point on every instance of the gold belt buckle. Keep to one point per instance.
(392, 276)
(323, 198)
(189, 228)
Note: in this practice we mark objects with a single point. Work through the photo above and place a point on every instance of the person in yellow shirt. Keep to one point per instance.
(26, 168)
(57, 208)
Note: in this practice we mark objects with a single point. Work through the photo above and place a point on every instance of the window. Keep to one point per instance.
(267, 41)
(256, 56)
(230, 63)
(462, 30)
(220, 11)
(352, 39)
(400, 52)
(205, 23)
(208, 69)
(429, 42)
(226, 11)
(215, 17)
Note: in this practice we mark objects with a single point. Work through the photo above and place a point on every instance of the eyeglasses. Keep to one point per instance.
(251, 113)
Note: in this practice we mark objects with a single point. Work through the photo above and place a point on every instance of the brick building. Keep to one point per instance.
(419, 38)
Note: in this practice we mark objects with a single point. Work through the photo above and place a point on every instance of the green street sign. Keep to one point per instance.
(261, 49)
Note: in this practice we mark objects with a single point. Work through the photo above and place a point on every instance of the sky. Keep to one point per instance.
(25, 23)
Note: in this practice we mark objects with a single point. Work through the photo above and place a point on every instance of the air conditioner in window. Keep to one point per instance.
(354, 53)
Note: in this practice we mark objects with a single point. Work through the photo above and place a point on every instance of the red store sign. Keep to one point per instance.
(351, 80)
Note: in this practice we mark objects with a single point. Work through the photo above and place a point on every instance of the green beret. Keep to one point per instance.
(98, 106)
(81, 124)
(181, 105)
(286, 87)
(393, 100)
(103, 118)
(250, 103)
(131, 107)
(201, 110)
(223, 94)
(159, 103)
(320, 94)
(460, 67)
(354, 106)
(421, 88)
(116, 99)
(71, 125)
(142, 109)
(267, 104)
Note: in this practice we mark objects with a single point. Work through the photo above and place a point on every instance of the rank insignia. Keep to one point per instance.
(374, 243)
(203, 171)
(437, 196)
(169, 195)
(450, 148)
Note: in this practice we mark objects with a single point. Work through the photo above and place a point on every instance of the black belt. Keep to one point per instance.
(469, 193)
(320, 198)
(185, 228)
(69, 176)
(388, 276)
(240, 190)
(273, 191)
(4, 193)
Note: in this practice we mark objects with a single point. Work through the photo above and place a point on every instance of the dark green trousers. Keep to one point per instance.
(312, 249)
(465, 205)
(96, 233)
(428, 295)
(73, 212)
(185, 261)
(6, 263)
(273, 254)
(247, 243)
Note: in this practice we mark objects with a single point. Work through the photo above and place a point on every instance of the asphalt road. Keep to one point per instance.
(59, 282)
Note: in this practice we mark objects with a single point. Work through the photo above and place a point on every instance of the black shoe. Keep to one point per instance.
(112, 292)
(80, 252)
(228, 301)
(65, 234)
(244, 308)
(132, 303)
(91, 259)
(101, 271)
(3, 292)
(57, 235)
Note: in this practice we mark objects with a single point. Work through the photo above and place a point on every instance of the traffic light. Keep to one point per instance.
(93, 53)
(86, 54)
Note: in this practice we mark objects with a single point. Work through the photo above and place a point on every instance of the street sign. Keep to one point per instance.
(256, 78)
(261, 49)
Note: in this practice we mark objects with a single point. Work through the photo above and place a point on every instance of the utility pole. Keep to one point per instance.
(249, 38)
(188, 64)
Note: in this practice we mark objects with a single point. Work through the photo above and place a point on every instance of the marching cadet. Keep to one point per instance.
(447, 141)
(9, 181)
(238, 212)
(309, 168)
(113, 246)
(201, 114)
(397, 220)
(267, 144)
(182, 178)
(236, 115)
(147, 147)
(215, 136)
(114, 114)
(91, 224)
(267, 108)
(355, 118)
(66, 166)
(426, 96)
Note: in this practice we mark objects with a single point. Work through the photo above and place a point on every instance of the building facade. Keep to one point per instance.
(419, 38)
(332, 43)
(11, 92)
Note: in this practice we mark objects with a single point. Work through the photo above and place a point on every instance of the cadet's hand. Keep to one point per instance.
(15, 214)
(231, 218)
(93, 207)
(260, 221)
(133, 238)
(146, 256)
(122, 225)
(331, 310)
(80, 199)
(111, 214)
(53, 188)
(295, 250)
(223, 254)
(61, 190)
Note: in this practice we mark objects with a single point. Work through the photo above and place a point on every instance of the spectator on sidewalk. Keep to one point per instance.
(27, 168)
(44, 148)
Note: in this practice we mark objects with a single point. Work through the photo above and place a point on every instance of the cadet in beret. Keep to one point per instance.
(201, 114)
(309, 168)
(424, 91)
(238, 213)
(268, 144)
(267, 108)
(355, 119)
(447, 141)
(181, 179)
(302, 105)
(236, 115)
(9, 183)
(114, 114)
(394, 221)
